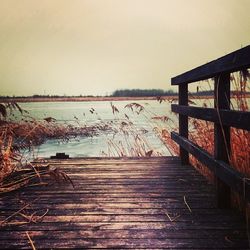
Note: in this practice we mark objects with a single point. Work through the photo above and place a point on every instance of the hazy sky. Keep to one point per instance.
(97, 46)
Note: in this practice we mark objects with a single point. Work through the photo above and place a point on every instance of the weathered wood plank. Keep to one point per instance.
(130, 189)
(222, 138)
(72, 196)
(128, 225)
(237, 119)
(60, 210)
(183, 122)
(135, 243)
(143, 218)
(229, 175)
(129, 234)
(135, 187)
(103, 161)
(60, 200)
(114, 208)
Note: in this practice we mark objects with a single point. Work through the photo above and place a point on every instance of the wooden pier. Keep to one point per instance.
(142, 203)
(150, 203)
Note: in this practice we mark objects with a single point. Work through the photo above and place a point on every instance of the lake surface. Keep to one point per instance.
(143, 131)
(105, 143)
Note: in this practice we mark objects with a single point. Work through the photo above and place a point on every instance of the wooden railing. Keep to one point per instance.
(227, 178)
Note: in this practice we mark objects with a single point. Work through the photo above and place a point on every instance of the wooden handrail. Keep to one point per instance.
(223, 118)
(232, 118)
(235, 61)
(229, 175)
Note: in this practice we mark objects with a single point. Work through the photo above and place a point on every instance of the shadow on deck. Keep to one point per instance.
(122, 203)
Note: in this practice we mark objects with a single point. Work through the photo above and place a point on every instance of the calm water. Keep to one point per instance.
(105, 143)
(78, 113)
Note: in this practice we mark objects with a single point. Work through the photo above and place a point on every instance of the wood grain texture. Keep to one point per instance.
(183, 122)
(237, 60)
(232, 177)
(121, 204)
(222, 137)
(236, 119)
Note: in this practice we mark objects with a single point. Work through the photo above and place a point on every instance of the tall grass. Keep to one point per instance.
(131, 139)
(202, 132)
(25, 134)
(124, 137)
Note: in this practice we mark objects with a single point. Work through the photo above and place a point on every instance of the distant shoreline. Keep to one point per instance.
(97, 98)
(80, 99)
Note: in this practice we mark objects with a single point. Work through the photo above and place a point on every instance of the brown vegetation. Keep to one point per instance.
(27, 133)
(15, 136)
(202, 133)
(79, 99)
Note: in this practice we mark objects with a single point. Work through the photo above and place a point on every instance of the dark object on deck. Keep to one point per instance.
(223, 118)
(133, 203)
(60, 156)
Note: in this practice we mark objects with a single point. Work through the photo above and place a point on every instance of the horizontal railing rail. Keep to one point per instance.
(235, 61)
(227, 174)
(227, 177)
(232, 118)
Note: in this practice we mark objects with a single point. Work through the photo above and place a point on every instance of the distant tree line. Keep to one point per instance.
(203, 93)
(60, 96)
(211, 93)
(141, 92)
(124, 93)
(46, 96)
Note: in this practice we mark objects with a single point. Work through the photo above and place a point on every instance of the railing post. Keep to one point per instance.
(222, 136)
(183, 121)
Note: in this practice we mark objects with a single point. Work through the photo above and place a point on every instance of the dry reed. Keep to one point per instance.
(15, 136)
(202, 132)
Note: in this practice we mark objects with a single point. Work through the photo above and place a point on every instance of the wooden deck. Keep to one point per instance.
(152, 203)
